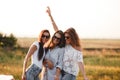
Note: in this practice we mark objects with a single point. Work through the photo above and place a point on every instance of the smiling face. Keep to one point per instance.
(67, 38)
(56, 39)
(45, 37)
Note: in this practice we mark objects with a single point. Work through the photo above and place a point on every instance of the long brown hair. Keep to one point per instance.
(41, 51)
(75, 40)
(61, 42)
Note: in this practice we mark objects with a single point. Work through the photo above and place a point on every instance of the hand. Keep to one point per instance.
(44, 62)
(86, 78)
(48, 10)
(23, 77)
(56, 77)
(50, 64)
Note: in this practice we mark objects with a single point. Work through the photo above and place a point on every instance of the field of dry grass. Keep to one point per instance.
(101, 59)
(25, 42)
(86, 43)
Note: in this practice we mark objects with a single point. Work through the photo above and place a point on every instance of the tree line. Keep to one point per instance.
(9, 41)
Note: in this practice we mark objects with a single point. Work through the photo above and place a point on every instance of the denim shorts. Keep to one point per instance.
(33, 72)
(67, 76)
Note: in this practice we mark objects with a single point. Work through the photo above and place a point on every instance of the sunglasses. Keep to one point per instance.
(55, 37)
(67, 37)
(45, 36)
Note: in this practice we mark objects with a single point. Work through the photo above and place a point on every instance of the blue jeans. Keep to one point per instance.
(33, 72)
(67, 76)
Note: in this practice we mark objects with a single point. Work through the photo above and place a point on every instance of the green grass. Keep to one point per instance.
(102, 61)
(102, 65)
(11, 62)
(97, 66)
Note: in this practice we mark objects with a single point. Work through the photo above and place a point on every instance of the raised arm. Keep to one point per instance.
(55, 27)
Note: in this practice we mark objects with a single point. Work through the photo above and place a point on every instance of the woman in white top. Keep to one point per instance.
(73, 58)
(36, 53)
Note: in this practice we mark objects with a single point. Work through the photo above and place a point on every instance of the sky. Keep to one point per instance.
(90, 18)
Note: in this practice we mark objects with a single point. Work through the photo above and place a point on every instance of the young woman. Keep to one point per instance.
(54, 57)
(73, 58)
(36, 53)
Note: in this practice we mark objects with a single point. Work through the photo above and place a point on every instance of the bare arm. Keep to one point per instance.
(30, 52)
(42, 73)
(58, 72)
(81, 65)
(52, 20)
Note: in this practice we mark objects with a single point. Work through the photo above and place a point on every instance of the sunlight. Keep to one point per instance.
(91, 18)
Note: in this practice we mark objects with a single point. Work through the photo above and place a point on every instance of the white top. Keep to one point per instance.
(71, 59)
(35, 56)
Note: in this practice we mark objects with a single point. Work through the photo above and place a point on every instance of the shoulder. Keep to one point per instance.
(78, 48)
(61, 50)
(35, 43)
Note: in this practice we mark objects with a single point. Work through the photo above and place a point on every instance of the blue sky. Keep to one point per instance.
(90, 18)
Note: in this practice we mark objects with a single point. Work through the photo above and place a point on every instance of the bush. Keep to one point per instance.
(7, 41)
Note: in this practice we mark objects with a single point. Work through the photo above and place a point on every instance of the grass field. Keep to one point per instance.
(101, 59)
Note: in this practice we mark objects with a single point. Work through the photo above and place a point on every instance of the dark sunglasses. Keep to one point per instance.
(45, 36)
(55, 37)
(67, 37)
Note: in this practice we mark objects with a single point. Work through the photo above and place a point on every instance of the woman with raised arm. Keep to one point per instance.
(36, 53)
(54, 54)
(73, 58)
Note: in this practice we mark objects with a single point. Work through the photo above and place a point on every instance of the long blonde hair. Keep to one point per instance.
(75, 40)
